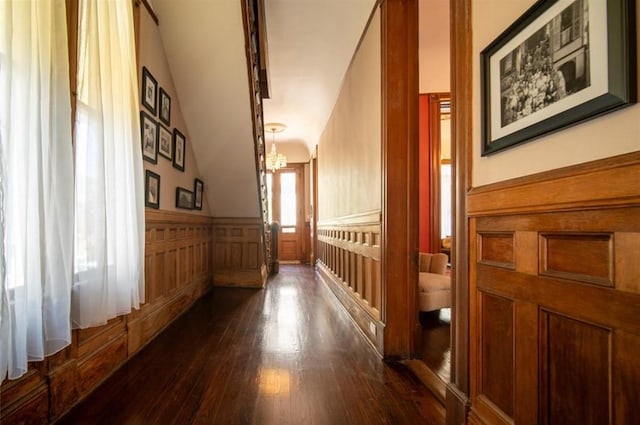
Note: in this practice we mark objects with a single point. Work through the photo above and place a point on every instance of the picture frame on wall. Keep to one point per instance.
(152, 189)
(184, 198)
(179, 146)
(198, 190)
(562, 62)
(165, 143)
(165, 107)
(149, 93)
(149, 137)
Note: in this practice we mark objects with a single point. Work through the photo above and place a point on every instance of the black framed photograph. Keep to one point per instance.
(149, 136)
(562, 62)
(152, 189)
(198, 190)
(149, 91)
(165, 143)
(165, 107)
(179, 146)
(184, 198)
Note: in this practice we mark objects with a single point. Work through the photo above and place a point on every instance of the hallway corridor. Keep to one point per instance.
(284, 355)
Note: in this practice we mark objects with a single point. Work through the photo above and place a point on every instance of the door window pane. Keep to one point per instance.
(288, 199)
(269, 197)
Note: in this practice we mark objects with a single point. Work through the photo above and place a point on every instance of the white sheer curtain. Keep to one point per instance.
(109, 203)
(37, 159)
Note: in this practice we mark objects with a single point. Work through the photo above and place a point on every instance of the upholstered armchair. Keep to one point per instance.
(434, 286)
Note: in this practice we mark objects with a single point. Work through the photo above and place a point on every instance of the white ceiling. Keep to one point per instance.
(311, 43)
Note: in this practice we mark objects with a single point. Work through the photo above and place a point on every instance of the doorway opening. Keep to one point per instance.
(433, 336)
(286, 197)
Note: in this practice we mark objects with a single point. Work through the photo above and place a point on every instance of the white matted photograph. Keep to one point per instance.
(149, 136)
(562, 62)
(149, 91)
(165, 143)
(179, 146)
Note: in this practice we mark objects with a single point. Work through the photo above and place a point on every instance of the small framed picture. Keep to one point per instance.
(149, 136)
(184, 198)
(149, 91)
(179, 145)
(152, 190)
(165, 107)
(165, 144)
(198, 189)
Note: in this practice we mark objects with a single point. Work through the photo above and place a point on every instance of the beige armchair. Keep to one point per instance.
(434, 286)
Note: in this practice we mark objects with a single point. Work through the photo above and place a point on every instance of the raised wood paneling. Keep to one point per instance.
(496, 364)
(349, 257)
(177, 272)
(496, 249)
(582, 257)
(575, 372)
(238, 254)
(575, 293)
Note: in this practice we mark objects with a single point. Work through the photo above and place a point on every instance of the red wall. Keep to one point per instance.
(424, 175)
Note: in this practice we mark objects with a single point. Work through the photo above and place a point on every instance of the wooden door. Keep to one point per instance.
(288, 210)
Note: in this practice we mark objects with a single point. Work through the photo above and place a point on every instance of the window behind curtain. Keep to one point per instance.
(109, 204)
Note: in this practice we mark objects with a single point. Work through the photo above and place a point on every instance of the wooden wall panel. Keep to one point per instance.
(575, 290)
(177, 273)
(575, 372)
(238, 254)
(349, 261)
(496, 370)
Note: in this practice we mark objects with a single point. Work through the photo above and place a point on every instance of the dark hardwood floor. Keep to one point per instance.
(436, 341)
(288, 354)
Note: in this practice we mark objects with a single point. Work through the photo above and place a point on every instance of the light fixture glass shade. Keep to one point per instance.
(274, 160)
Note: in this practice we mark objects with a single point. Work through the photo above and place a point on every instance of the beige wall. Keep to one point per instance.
(152, 56)
(613, 134)
(434, 46)
(349, 167)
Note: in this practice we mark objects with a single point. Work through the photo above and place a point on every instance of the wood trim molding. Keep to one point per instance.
(371, 217)
(159, 216)
(569, 188)
(461, 150)
(400, 148)
(152, 13)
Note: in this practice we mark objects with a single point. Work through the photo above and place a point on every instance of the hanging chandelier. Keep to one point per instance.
(275, 161)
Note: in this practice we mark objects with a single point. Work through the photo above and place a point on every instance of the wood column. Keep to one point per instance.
(457, 396)
(399, 32)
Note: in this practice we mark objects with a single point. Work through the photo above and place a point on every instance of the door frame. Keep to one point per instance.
(298, 168)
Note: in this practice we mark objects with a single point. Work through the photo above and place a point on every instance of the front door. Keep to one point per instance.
(287, 191)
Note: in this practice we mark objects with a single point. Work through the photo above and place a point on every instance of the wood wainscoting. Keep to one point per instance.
(178, 271)
(238, 258)
(349, 264)
(555, 296)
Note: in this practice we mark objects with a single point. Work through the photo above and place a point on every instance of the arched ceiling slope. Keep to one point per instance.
(311, 43)
(205, 47)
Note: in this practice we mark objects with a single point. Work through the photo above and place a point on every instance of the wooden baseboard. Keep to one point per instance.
(457, 404)
(428, 377)
(241, 278)
(373, 329)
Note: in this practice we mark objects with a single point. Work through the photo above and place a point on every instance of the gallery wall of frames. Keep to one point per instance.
(162, 141)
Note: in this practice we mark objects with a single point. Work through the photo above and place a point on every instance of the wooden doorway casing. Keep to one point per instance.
(290, 244)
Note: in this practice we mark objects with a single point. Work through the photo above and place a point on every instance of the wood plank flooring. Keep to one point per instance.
(436, 341)
(287, 354)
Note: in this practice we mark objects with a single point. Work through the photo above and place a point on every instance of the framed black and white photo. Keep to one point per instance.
(152, 190)
(184, 198)
(198, 190)
(562, 62)
(165, 143)
(179, 146)
(165, 107)
(149, 136)
(149, 91)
